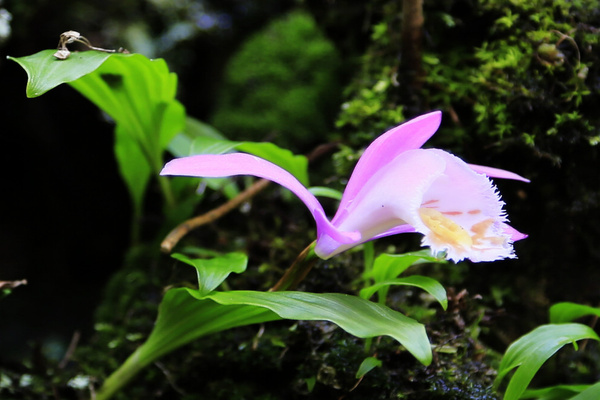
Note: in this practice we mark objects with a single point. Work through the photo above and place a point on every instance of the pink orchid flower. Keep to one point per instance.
(396, 187)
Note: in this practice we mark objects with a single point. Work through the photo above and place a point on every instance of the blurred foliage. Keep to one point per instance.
(281, 85)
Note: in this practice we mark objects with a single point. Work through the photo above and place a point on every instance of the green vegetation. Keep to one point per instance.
(282, 85)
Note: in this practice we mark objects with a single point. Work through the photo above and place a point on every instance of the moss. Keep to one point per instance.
(281, 85)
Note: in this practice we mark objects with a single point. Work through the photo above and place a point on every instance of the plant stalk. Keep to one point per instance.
(121, 376)
(298, 270)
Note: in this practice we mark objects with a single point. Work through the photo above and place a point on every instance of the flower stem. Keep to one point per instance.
(298, 270)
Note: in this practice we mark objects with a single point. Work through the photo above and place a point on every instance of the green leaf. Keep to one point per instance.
(297, 165)
(310, 383)
(367, 365)
(45, 72)
(389, 266)
(559, 392)
(567, 312)
(133, 167)
(326, 192)
(356, 316)
(182, 143)
(182, 319)
(139, 95)
(212, 272)
(429, 285)
(530, 351)
(591, 393)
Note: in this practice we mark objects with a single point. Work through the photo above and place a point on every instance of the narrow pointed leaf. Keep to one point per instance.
(529, 352)
(567, 312)
(367, 365)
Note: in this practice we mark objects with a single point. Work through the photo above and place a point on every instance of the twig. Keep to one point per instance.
(69, 37)
(170, 378)
(12, 284)
(70, 350)
(183, 229)
(297, 271)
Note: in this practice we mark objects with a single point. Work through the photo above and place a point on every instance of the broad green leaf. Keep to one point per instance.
(173, 122)
(45, 72)
(567, 312)
(325, 192)
(297, 165)
(182, 143)
(429, 285)
(182, 319)
(133, 166)
(356, 316)
(559, 392)
(529, 352)
(367, 365)
(209, 145)
(212, 272)
(139, 95)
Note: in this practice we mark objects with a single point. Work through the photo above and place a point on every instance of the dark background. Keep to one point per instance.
(65, 215)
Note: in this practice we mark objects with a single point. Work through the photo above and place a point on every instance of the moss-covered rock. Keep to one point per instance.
(282, 85)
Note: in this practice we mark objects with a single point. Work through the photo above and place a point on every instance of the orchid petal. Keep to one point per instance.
(514, 234)
(387, 202)
(436, 194)
(496, 173)
(409, 135)
(463, 215)
(395, 231)
(216, 166)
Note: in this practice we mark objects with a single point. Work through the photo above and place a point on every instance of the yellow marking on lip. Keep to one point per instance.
(480, 229)
(444, 229)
